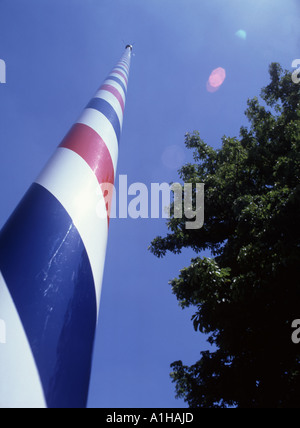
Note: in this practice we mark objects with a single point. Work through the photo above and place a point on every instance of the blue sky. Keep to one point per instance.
(57, 53)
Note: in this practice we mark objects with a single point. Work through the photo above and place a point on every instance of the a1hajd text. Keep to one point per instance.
(2, 71)
(177, 418)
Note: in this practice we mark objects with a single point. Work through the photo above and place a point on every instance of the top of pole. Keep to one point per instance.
(129, 47)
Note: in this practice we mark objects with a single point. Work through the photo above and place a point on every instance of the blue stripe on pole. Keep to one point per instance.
(47, 271)
(123, 69)
(119, 81)
(109, 112)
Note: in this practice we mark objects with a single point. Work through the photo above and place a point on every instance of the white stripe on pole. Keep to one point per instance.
(82, 197)
(100, 124)
(112, 100)
(20, 385)
(114, 74)
(117, 86)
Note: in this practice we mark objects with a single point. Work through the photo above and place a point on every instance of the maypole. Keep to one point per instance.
(52, 253)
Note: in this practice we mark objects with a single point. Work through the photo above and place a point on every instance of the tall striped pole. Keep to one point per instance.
(52, 253)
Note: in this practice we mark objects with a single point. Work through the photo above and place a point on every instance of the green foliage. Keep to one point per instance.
(247, 295)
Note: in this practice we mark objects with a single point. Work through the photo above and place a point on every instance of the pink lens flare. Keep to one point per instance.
(216, 79)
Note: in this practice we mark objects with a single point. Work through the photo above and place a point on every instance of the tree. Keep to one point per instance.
(246, 295)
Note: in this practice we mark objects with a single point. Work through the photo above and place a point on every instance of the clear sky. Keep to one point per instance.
(57, 53)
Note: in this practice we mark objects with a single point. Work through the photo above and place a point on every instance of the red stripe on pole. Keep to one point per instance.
(125, 65)
(115, 92)
(122, 75)
(84, 141)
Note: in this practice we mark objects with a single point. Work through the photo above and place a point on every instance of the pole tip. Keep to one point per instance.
(129, 47)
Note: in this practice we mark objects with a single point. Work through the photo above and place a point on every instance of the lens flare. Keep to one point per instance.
(216, 79)
(241, 34)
